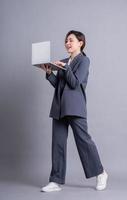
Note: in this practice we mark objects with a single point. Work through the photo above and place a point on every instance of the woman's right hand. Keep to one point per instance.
(46, 68)
(61, 64)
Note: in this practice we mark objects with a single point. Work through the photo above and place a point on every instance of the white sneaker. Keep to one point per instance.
(52, 186)
(101, 181)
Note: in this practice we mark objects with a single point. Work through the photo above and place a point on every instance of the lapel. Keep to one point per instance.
(74, 62)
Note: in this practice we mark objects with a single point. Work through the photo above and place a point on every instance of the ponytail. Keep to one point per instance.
(83, 53)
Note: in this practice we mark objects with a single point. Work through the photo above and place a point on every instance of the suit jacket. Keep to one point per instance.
(69, 95)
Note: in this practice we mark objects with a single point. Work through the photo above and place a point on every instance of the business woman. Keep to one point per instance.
(69, 108)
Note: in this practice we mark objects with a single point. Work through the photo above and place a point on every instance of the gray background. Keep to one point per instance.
(26, 96)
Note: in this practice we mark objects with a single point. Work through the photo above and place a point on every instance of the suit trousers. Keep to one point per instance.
(87, 149)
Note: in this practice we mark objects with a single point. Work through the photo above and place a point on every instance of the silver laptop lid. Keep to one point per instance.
(40, 52)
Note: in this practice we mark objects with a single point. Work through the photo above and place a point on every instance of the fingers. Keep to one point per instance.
(45, 67)
(56, 62)
(42, 66)
(48, 68)
(59, 63)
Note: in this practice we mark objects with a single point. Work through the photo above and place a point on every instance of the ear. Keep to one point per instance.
(81, 43)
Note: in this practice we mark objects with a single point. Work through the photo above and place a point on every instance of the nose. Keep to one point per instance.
(67, 42)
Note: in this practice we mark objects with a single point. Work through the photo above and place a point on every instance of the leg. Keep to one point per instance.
(59, 143)
(86, 148)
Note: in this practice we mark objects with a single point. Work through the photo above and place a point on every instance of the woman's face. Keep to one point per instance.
(72, 44)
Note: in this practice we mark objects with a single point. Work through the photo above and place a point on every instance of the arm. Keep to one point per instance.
(80, 76)
(52, 78)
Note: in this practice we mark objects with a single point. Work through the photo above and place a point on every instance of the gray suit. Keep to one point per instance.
(69, 95)
(69, 108)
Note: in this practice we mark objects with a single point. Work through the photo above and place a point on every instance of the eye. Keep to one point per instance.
(71, 40)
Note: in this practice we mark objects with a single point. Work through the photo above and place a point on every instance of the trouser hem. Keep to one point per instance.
(56, 180)
(95, 174)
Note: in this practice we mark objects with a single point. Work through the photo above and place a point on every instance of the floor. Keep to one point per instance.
(19, 190)
(17, 185)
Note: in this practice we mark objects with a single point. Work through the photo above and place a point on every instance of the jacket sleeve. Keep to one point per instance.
(80, 76)
(52, 78)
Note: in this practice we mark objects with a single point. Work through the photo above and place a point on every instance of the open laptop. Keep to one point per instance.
(41, 55)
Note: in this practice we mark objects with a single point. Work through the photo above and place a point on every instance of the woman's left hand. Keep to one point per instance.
(59, 63)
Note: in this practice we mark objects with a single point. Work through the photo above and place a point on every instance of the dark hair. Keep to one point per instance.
(80, 36)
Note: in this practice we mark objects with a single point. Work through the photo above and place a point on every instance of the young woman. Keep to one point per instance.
(69, 108)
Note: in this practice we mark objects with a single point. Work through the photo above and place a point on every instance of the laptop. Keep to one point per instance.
(41, 55)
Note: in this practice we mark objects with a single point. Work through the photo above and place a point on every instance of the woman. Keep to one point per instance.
(69, 108)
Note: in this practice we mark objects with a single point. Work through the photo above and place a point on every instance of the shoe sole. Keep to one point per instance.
(52, 190)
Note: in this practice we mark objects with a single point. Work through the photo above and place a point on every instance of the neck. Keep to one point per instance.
(74, 54)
